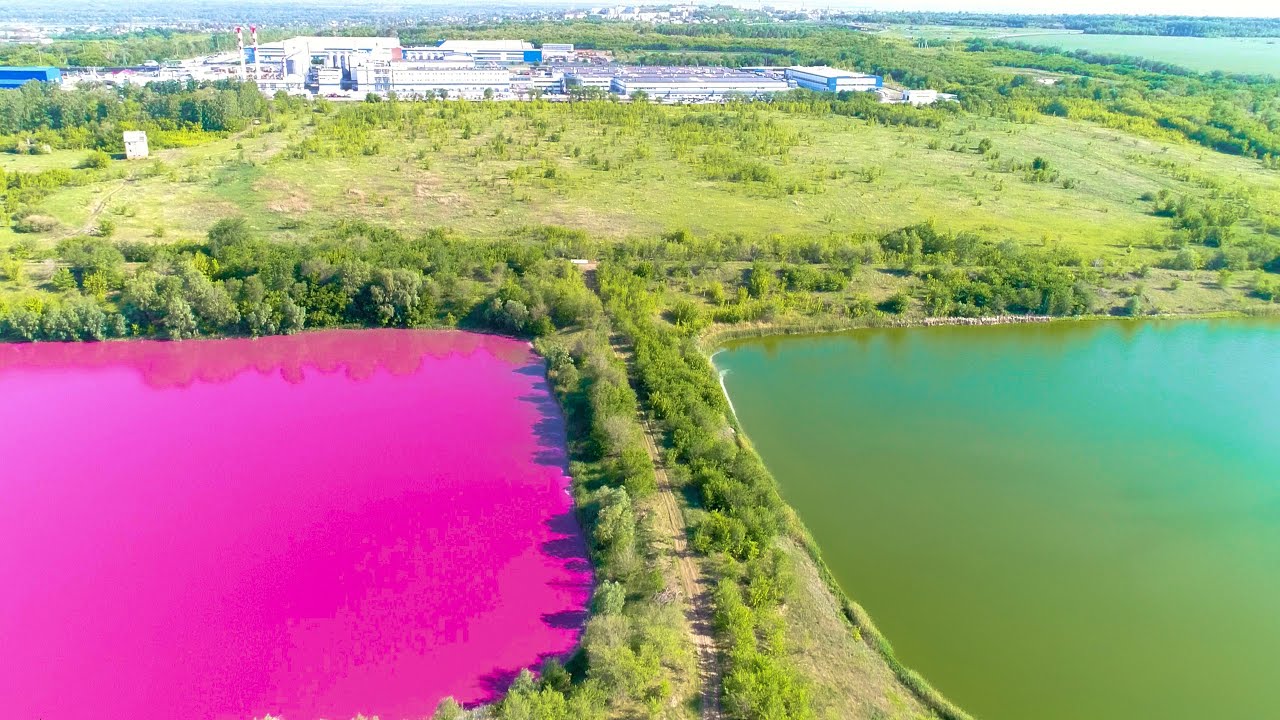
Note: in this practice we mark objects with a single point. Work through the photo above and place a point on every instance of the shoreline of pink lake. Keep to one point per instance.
(313, 526)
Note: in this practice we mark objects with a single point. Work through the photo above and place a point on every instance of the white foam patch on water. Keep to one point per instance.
(724, 388)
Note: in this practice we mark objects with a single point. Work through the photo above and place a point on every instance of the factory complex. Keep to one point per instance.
(335, 67)
(338, 67)
(354, 67)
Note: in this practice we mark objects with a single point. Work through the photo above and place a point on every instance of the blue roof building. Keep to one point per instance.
(14, 77)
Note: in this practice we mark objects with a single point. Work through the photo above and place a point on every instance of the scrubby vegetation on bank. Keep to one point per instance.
(635, 658)
(742, 507)
(359, 274)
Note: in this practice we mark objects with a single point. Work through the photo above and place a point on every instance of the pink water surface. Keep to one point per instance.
(314, 526)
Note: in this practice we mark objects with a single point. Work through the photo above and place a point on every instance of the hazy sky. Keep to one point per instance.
(1248, 8)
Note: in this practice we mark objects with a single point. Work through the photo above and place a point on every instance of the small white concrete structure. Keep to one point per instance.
(920, 97)
(135, 145)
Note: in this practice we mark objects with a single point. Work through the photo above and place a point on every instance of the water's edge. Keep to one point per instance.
(861, 625)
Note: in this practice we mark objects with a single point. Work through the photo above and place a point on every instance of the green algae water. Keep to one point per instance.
(1057, 522)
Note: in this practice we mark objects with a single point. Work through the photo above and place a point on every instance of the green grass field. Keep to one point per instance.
(559, 166)
(13, 162)
(1250, 56)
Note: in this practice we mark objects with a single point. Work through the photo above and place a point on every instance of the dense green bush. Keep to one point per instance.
(95, 160)
(352, 274)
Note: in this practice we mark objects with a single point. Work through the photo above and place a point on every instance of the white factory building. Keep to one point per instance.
(547, 81)
(326, 80)
(335, 65)
(828, 79)
(297, 55)
(350, 67)
(684, 88)
(557, 52)
(437, 56)
(589, 76)
(408, 79)
(913, 97)
(920, 97)
(503, 52)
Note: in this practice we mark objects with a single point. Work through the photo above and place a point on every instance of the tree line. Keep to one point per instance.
(40, 114)
(128, 49)
(237, 283)
(1237, 116)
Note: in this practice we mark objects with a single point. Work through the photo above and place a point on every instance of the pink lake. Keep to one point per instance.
(312, 526)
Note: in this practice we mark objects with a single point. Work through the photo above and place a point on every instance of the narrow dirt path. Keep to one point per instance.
(95, 211)
(694, 584)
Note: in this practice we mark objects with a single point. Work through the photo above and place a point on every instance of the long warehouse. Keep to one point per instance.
(828, 79)
(696, 87)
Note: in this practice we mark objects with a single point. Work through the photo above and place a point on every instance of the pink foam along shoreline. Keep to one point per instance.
(314, 526)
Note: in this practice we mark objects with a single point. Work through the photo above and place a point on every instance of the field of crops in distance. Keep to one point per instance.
(1250, 56)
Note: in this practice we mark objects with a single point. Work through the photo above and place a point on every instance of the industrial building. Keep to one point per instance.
(675, 84)
(408, 79)
(15, 77)
(687, 87)
(351, 67)
(326, 80)
(589, 76)
(296, 56)
(920, 97)
(828, 79)
(434, 54)
(502, 52)
(553, 52)
(913, 97)
(547, 81)
(339, 66)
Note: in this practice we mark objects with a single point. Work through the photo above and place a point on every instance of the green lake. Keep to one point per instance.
(1065, 521)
